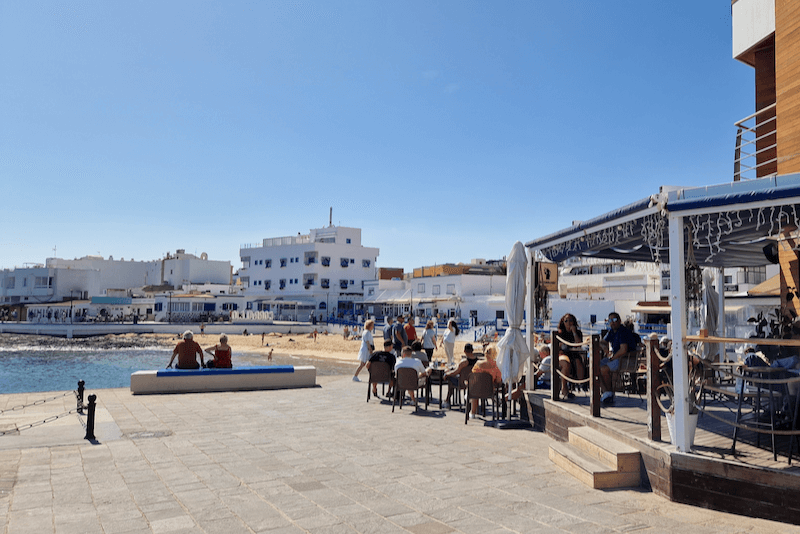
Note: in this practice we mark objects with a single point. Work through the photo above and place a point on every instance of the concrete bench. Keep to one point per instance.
(236, 379)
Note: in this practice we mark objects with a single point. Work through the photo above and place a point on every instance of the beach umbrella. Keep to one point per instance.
(512, 350)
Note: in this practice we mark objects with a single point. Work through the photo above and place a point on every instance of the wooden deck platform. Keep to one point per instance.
(748, 482)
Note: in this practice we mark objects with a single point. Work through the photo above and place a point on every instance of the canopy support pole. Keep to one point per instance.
(721, 311)
(677, 274)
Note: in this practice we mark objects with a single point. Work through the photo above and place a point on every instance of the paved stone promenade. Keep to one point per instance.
(313, 460)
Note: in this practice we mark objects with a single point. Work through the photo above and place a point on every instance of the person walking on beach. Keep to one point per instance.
(185, 351)
(387, 328)
(429, 340)
(399, 339)
(367, 348)
(411, 332)
(221, 354)
(449, 340)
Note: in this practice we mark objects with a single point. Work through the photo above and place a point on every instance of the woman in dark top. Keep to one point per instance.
(569, 332)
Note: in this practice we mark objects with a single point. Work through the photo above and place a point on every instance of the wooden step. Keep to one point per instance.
(616, 455)
(589, 470)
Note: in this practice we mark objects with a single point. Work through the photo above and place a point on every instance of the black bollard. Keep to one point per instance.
(90, 418)
(81, 383)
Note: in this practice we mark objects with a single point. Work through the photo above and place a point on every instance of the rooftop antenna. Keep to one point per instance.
(330, 217)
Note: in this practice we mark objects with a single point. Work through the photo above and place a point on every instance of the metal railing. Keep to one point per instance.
(751, 156)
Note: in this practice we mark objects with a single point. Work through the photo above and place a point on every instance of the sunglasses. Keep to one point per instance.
(614, 319)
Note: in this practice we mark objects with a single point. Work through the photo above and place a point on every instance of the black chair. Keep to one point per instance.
(379, 373)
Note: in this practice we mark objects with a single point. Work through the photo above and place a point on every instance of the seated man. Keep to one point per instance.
(619, 341)
(466, 363)
(385, 356)
(185, 351)
(408, 361)
(542, 377)
(418, 353)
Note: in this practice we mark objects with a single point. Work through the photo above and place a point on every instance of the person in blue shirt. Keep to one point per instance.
(387, 328)
(619, 341)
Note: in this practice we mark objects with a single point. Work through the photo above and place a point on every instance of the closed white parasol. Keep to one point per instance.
(512, 350)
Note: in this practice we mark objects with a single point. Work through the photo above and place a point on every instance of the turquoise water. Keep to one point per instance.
(38, 363)
(60, 370)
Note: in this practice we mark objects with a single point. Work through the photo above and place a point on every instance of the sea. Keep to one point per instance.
(43, 363)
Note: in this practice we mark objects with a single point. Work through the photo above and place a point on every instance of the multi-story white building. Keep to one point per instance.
(94, 276)
(322, 272)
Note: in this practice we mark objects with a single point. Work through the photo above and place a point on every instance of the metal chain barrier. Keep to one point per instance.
(42, 401)
(38, 423)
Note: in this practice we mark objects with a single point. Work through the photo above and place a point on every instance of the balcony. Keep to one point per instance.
(756, 153)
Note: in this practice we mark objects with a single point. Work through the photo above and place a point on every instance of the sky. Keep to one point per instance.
(445, 130)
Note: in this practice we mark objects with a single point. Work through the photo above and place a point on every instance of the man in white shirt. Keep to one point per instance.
(408, 361)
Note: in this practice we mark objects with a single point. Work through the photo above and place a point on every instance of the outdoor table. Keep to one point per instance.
(438, 369)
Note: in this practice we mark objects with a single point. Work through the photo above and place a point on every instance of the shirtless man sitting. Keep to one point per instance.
(185, 351)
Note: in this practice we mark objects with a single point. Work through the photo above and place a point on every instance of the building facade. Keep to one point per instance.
(323, 272)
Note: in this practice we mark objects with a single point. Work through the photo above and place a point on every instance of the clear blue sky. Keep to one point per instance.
(445, 130)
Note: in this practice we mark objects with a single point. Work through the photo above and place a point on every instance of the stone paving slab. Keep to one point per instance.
(316, 460)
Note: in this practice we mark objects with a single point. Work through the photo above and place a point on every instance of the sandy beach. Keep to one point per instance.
(327, 346)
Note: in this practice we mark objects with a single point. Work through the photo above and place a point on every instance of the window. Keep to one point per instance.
(344, 262)
(10, 282)
(420, 288)
(755, 275)
(352, 282)
(267, 284)
(249, 306)
(197, 306)
(283, 283)
(365, 263)
(437, 289)
(309, 281)
(352, 261)
(24, 282)
(268, 264)
(159, 306)
(343, 284)
(291, 260)
(348, 240)
(227, 306)
(245, 262)
(297, 260)
(325, 283)
(451, 289)
(43, 282)
(179, 307)
(291, 281)
(666, 284)
(283, 262)
(371, 292)
(326, 261)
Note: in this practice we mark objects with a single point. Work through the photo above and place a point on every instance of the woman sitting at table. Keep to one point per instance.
(489, 365)
(570, 359)
(467, 363)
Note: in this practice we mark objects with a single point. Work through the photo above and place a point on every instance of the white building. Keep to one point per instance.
(475, 297)
(322, 272)
(94, 276)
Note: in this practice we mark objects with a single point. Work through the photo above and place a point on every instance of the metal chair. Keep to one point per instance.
(480, 386)
(379, 373)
